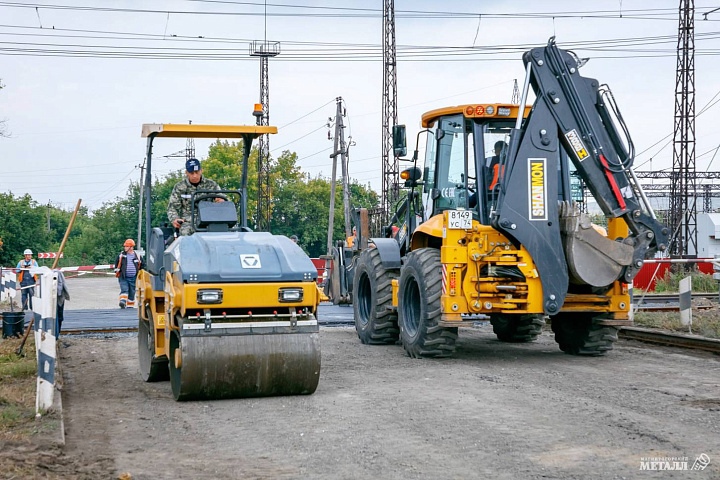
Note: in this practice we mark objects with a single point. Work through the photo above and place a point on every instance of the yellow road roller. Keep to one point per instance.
(225, 312)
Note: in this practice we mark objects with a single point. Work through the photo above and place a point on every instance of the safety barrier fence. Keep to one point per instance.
(43, 317)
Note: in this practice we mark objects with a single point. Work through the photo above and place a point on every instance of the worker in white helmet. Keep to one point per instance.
(25, 279)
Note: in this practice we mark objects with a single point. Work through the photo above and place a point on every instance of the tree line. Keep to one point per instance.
(299, 206)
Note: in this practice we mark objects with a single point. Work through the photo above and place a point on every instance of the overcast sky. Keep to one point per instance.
(82, 76)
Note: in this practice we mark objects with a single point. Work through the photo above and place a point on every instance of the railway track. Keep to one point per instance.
(657, 337)
(671, 297)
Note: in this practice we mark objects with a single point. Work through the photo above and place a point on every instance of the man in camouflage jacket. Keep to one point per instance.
(179, 207)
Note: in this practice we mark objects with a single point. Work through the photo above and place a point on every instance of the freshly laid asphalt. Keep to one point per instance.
(77, 321)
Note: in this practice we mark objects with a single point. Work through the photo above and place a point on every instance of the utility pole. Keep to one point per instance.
(390, 163)
(140, 209)
(341, 149)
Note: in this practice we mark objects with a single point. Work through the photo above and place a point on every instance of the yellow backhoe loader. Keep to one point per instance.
(492, 227)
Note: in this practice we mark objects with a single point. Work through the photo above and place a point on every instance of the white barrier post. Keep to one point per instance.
(45, 310)
(686, 302)
(8, 285)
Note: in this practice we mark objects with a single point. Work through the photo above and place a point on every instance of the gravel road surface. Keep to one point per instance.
(494, 411)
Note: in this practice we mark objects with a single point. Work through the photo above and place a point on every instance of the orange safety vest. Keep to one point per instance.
(496, 175)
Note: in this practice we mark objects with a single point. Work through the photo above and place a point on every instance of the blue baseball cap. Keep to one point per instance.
(192, 165)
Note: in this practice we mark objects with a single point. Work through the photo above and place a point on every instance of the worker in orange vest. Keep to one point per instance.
(25, 279)
(127, 266)
(494, 165)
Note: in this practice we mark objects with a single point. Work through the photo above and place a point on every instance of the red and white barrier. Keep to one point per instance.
(49, 255)
(86, 268)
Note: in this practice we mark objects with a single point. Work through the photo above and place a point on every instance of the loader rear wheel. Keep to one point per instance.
(152, 369)
(419, 307)
(581, 334)
(517, 328)
(375, 321)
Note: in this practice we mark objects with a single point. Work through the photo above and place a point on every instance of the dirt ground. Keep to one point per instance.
(495, 410)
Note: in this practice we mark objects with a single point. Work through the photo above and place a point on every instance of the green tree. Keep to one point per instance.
(24, 226)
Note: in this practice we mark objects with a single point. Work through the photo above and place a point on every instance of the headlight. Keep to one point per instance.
(209, 296)
(290, 294)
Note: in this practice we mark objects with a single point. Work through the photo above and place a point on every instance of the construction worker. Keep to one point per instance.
(350, 241)
(493, 165)
(25, 279)
(179, 208)
(127, 266)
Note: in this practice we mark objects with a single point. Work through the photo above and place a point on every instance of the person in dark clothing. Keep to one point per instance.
(62, 295)
(492, 173)
(127, 266)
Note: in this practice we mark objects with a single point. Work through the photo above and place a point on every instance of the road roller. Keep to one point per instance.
(225, 312)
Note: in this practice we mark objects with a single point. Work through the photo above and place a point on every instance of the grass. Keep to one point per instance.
(18, 387)
(704, 322)
(700, 282)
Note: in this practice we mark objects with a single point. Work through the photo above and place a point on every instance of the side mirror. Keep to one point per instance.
(399, 140)
(411, 176)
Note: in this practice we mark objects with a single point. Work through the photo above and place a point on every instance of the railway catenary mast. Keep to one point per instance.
(390, 163)
(683, 207)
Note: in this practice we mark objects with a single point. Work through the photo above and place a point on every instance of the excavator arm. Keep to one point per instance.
(577, 115)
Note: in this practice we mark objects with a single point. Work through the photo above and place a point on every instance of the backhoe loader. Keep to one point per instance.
(493, 229)
(225, 312)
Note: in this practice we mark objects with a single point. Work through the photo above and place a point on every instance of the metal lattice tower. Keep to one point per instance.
(516, 92)
(683, 210)
(264, 50)
(189, 148)
(390, 163)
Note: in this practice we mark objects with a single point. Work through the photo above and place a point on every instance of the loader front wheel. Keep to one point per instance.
(419, 307)
(375, 321)
(581, 334)
(517, 328)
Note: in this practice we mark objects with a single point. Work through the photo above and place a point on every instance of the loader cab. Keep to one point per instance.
(465, 158)
(461, 164)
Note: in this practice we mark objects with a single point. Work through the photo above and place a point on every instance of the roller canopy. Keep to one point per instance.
(179, 130)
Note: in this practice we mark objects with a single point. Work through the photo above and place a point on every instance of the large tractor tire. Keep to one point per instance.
(580, 334)
(517, 328)
(375, 320)
(152, 369)
(419, 307)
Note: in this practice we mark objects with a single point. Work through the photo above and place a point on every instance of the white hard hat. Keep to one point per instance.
(27, 252)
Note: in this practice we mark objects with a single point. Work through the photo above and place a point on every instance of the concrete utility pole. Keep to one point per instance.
(343, 152)
(683, 208)
(339, 149)
(140, 207)
(390, 163)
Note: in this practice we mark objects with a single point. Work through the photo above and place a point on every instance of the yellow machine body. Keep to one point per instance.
(227, 312)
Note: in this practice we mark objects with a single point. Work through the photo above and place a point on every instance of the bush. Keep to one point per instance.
(700, 282)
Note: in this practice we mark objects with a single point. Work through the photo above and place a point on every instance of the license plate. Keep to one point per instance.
(459, 219)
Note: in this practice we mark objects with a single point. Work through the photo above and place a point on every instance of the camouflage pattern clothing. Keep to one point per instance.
(179, 203)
